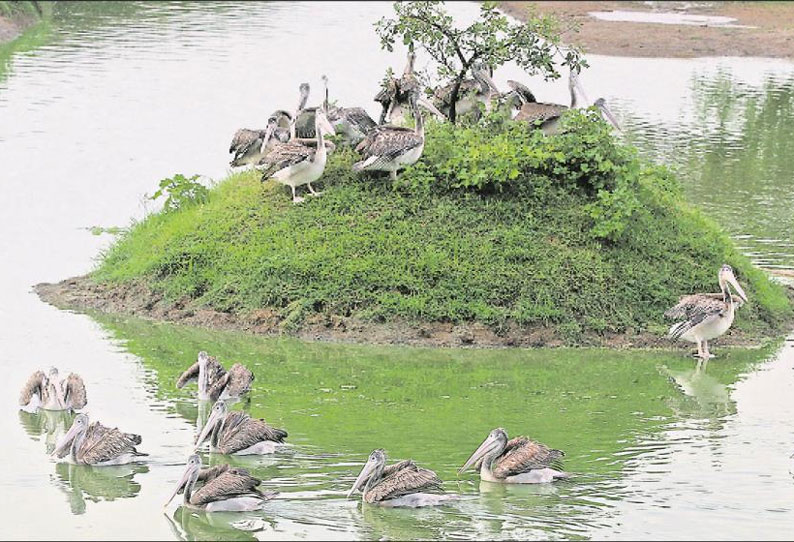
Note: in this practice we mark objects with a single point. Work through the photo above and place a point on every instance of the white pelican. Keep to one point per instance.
(223, 489)
(236, 433)
(50, 392)
(390, 148)
(547, 115)
(295, 164)
(707, 316)
(516, 461)
(97, 445)
(214, 382)
(400, 484)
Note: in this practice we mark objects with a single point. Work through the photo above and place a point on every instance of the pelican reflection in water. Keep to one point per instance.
(50, 424)
(517, 461)
(402, 484)
(83, 482)
(222, 488)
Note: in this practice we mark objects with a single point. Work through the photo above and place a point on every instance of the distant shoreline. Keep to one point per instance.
(763, 29)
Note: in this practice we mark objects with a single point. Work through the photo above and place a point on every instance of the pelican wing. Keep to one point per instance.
(240, 431)
(210, 473)
(400, 465)
(522, 455)
(103, 444)
(359, 118)
(33, 386)
(444, 94)
(698, 315)
(234, 383)
(540, 112)
(389, 142)
(690, 305)
(232, 483)
(189, 375)
(409, 479)
(245, 140)
(75, 391)
(522, 91)
(285, 155)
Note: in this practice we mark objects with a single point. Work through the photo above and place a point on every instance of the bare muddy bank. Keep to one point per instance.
(760, 29)
(20, 19)
(135, 299)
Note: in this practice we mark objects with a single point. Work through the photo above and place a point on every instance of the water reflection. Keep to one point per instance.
(701, 395)
(187, 524)
(50, 424)
(95, 484)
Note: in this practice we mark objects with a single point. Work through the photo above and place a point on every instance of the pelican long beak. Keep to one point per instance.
(362, 478)
(213, 420)
(488, 445)
(427, 104)
(324, 125)
(268, 135)
(609, 116)
(739, 290)
(62, 446)
(179, 485)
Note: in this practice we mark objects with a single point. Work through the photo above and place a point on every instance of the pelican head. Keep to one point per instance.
(189, 477)
(601, 105)
(493, 445)
(76, 431)
(218, 412)
(727, 277)
(371, 471)
(321, 123)
(203, 358)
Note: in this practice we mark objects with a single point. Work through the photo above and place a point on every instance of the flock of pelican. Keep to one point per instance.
(498, 458)
(293, 148)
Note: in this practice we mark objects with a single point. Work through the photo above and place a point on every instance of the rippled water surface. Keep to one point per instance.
(101, 103)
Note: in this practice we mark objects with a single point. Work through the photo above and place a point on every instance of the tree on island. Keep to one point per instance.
(492, 40)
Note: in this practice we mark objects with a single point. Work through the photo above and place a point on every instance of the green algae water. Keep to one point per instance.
(115, 96)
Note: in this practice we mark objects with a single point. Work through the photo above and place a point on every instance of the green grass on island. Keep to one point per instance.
(497, 224)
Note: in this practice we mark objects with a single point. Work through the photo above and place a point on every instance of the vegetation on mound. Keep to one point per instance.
(496, 224)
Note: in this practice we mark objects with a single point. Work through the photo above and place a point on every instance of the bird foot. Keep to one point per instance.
(297, 199)
(316, 193)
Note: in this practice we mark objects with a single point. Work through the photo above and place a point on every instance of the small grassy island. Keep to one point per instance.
(499, 235)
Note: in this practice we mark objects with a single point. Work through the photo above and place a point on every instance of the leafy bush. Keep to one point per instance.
(182, 191)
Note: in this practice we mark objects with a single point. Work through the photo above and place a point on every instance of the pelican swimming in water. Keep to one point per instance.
(295, 164)
(517, 461)
(214, 382)
(236, 433)
(390, 148)
(223, 489)
(97, 445)
(480, 89)
(400, 484)
(707, 316)
(50, 392)
(547, 115)
(395, 96)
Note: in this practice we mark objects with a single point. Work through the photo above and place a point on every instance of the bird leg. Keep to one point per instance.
(393, 175)
(700, 349)
(706, 349)
(295, 199)
(311, 189)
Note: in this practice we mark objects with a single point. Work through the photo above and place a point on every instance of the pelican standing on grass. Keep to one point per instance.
(97, 445)
(352, 123)
(295, 164)
(517, 461)
(707, 316)
(236, 433)
(390, 148)
(50, 392)
(214, 382)
(223, 488)
(249, 145)
(400, 484)
(547, 115)
(479, 90)
(395, 96)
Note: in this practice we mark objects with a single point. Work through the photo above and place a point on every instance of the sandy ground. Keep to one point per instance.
(10, 29)
(772, 34)
(84, 295)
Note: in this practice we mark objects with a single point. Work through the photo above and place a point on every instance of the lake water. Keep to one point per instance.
(107, 99)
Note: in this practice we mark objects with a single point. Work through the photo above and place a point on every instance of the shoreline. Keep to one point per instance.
(761, 29)
(13, 27)
(81, 294)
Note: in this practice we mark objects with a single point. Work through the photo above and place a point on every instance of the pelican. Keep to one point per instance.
(352, 123)
(224, 488)
(236, 433)
(295, 164)
(395, 96)
(479, 89)
(50, 392)
(547, 115)
(305, 123)
(97, 445)
(389, 148)
(214, 382)
(516, 461)
(249, 145)
(707, 316)
(400, 484)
